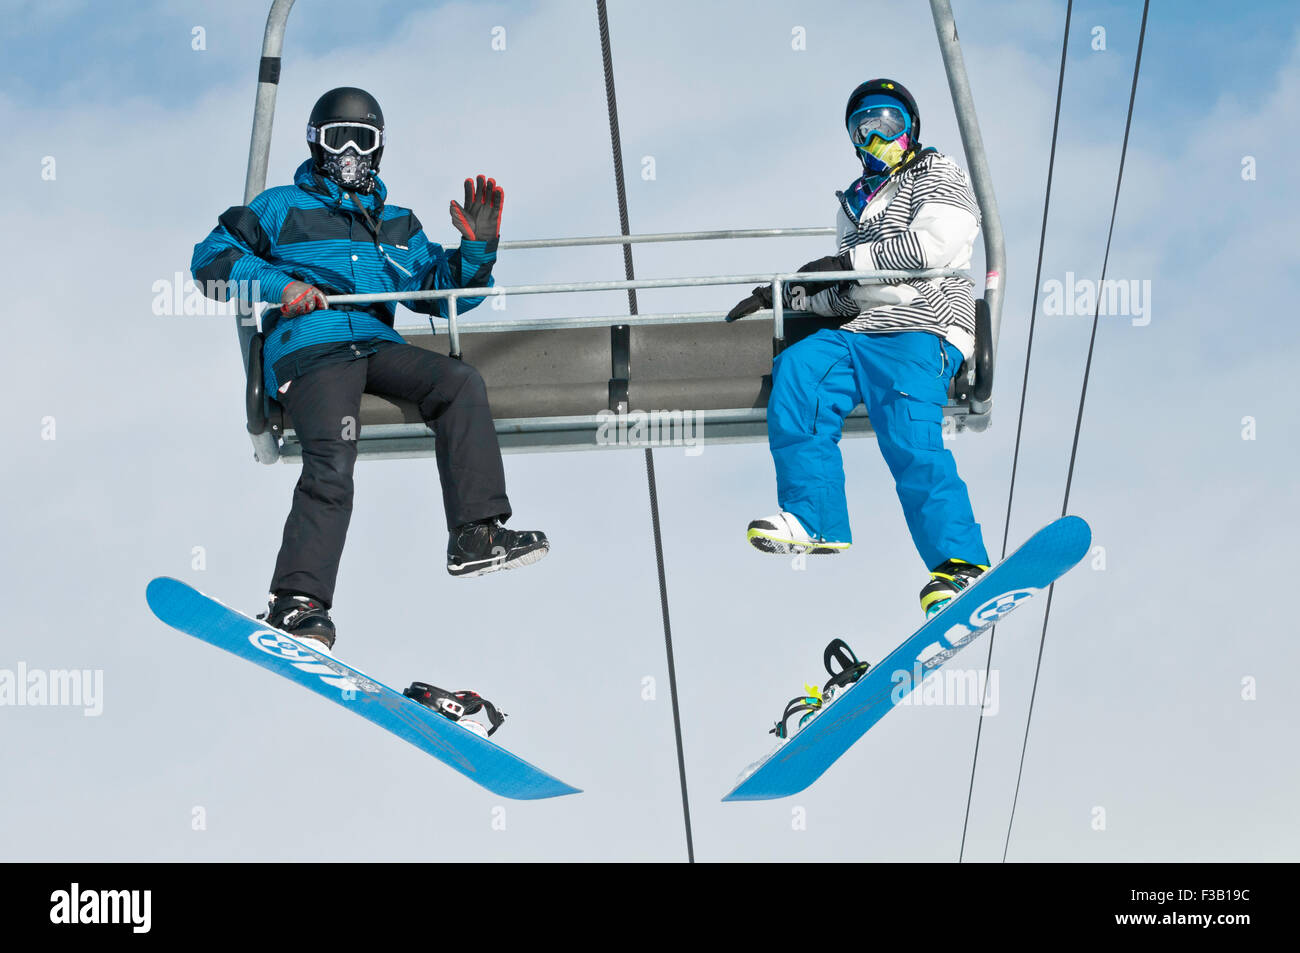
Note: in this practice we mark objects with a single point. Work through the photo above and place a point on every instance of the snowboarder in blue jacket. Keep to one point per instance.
(334, 232)
(896, 352)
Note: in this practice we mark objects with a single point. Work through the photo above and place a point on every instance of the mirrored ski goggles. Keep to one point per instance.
(884, 122)
(334, 137)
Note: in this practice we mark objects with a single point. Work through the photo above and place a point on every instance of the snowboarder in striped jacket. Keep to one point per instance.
(899, 347)
(334, 232)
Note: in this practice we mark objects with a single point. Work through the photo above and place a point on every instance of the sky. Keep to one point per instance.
(1162, 715)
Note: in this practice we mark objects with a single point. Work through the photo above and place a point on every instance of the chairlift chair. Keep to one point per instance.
(553, 384)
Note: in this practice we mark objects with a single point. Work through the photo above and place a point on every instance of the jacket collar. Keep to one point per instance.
(860, 192)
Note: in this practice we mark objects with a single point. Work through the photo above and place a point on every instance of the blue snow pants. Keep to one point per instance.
(903, 380)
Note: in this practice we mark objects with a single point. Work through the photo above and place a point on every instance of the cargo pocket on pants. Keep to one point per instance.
(920, 423)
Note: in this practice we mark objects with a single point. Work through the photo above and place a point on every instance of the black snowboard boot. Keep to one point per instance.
(485, 546)
(947, 580)
(302, 617)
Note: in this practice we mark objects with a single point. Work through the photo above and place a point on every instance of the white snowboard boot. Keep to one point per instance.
(782, 534)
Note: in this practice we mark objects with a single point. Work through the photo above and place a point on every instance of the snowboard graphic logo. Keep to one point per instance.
(996, 608)
(280, 645)
(332, 673)
(981, 620)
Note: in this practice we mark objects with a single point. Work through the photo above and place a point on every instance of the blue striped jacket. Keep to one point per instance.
(311, 231)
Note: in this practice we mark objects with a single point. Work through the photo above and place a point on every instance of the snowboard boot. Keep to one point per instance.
(784, 535)
(485, 546)
(302, 617)
(947, 580)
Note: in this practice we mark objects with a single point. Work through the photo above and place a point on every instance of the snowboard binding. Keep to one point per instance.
(458, 706)
(844, 669)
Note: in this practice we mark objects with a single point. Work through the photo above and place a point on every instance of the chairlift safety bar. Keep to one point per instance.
(820, 231)
(453, 295)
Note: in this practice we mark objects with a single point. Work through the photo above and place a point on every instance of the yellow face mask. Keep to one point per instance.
(890, 153)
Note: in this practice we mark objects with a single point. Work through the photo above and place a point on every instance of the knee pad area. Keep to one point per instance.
(327, 472)
(458, 383)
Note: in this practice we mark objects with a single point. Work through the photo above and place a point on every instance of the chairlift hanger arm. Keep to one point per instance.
(266, 448)
(977, 165)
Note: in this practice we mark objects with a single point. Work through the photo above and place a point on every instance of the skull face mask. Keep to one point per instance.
(349, 170)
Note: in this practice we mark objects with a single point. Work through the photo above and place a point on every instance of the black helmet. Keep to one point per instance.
(886, 87)
(346, 136)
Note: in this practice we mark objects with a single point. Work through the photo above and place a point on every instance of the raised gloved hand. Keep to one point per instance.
(761, 298)
(300, 298)
(479, 219)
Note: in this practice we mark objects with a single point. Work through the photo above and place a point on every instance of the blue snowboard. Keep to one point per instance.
(801, 760)
(479, 759)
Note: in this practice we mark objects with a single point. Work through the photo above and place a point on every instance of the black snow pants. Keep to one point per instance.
(325, 404)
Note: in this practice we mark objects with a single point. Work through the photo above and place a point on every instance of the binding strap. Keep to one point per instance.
(455, 705)
(804, 703)
(850, 669)
(844, 669)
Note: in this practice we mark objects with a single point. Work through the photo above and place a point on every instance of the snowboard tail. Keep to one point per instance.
(482, 761)
(805, 757)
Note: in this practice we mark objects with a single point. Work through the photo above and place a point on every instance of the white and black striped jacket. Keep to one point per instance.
(923, 217)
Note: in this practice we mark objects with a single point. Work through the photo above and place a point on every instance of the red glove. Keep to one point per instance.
(479, 219)
(300, 298)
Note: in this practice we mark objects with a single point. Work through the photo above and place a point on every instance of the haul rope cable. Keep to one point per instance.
(1078, 423)
(616, 142)
(1020, 419)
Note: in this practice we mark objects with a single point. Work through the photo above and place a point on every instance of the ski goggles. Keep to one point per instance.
(334, 137)
(882, 122)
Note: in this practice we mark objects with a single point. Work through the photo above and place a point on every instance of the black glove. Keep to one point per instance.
(479, 219)
(761, 298)
(810, 288)
(829, 263)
